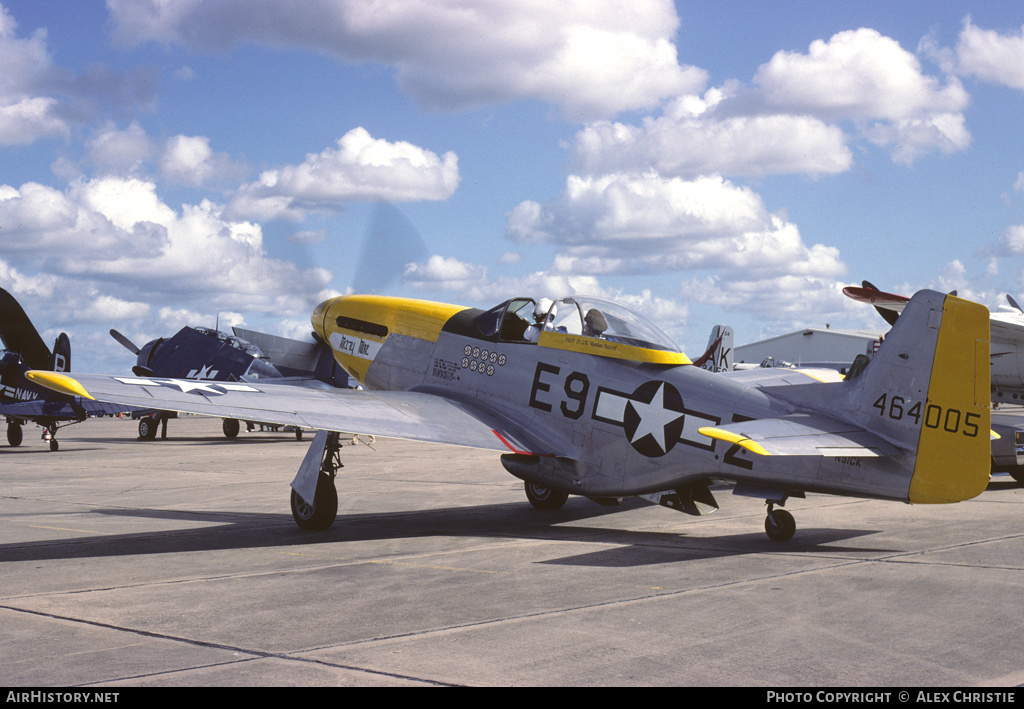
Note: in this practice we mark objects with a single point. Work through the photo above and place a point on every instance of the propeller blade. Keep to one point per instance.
(391, 243)
(128, 344)
(1013, 303)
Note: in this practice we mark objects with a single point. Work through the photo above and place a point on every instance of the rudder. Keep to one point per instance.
(954, 447)
(718, 357)
(927, 391)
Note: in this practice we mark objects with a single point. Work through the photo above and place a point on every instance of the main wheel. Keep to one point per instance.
(780, 526)
(14, 434)
(230, 428)
(147, 428)
(53, 444)
(319, 515)
(544, 498)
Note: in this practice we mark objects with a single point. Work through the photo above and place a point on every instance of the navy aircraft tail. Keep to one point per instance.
(60, 361)
(19, 335)
(718, 357)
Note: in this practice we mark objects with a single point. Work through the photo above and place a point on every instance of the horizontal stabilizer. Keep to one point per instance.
(803, 434)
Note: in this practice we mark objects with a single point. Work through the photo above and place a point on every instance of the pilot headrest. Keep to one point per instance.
(596, 321)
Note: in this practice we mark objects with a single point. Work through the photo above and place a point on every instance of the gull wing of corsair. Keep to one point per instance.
(22, 401)
(583, 396)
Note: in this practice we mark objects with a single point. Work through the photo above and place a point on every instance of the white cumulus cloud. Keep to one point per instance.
(595, 58)
(856, 73)
(863, 76)
(26, 113)
(991, 56)
(361, 168)
(189, 160)
(686, 144)
(118, 232)
(629, 223)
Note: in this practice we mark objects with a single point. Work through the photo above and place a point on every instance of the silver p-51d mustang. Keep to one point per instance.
(585, 397)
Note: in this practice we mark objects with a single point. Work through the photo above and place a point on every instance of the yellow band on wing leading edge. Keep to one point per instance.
(60, 383)
(730, 437)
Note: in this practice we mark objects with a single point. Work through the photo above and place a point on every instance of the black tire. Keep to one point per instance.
(147, 428)
(779, 525)
(53, 444)
(298, 433)
(544, 498)
(230, 428)
(320, 515)
(14, 434)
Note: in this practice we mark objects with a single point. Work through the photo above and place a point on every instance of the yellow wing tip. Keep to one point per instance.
(58, 382)
(730, 437)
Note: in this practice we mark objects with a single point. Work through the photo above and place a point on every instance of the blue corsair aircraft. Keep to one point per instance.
(207, 354)
(22, 401)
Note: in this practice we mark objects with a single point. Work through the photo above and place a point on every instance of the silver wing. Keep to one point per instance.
(397, 414)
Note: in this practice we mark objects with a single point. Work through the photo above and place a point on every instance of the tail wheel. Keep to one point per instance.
(544, 498)
(779, 525)
(319, 515)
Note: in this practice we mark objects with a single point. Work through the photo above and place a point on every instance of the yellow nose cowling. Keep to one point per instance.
(356, 326)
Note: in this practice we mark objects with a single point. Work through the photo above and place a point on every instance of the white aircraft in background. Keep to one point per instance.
(1007, 338)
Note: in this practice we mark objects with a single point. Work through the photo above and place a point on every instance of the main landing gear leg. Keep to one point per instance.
(315, 481)
(779, 525)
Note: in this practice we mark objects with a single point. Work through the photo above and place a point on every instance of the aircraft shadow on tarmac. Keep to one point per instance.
(1003, 483)
(259, 437)
(501, 521)
(71, 445)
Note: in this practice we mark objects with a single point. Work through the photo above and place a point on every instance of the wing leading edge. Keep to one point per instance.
(397, 414)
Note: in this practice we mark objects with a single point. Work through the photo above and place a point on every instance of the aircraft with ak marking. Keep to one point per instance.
(583, 396)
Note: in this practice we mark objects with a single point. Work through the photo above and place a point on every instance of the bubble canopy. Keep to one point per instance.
(583, 316)
(598, 317)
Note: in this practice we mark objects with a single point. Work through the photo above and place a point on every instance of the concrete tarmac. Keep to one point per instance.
(176, 563)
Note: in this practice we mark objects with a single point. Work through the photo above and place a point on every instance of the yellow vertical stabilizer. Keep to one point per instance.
(954, 448)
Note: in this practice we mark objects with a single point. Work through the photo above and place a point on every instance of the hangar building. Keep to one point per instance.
(812, 347)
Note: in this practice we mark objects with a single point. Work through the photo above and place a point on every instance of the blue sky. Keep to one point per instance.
(175, 162)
